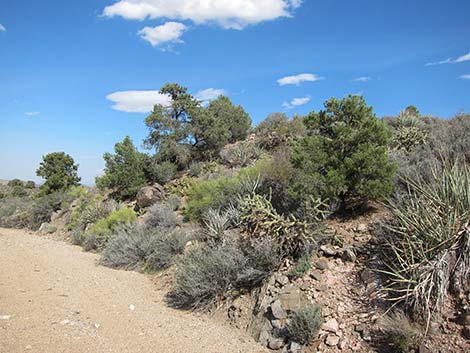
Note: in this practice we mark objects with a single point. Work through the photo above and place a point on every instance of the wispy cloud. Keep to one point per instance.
(32, 113)
(465, 77)
(2, 28)
(298, 79)
(206, 95)
(362, 79)
(169, 32)
(137, 101)
(229, 14)
(460, 59)
(296, 102)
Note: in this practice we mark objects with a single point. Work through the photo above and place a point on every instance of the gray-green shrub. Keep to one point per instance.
(305, 323)
(160, 216)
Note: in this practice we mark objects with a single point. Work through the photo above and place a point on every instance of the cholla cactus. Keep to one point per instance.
(409, 131)
(259, 219)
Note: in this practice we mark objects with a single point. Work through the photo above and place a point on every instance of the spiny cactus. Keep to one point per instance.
(409, 132)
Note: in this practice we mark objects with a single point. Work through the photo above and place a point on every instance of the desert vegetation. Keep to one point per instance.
(225, 205)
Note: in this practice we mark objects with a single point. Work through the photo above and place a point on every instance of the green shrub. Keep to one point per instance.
(277, 131)
(196, 169)
(161, 172)
(428, 252)
(160, 216)
(15, 182)
(240, 154)
(124, 171)
(305, 323)
(100, 232)
(173, 202)
(206, 273)
(134, 246)
(344, 158)
(18, 191)
(30, 184)
(409, 132)
(301, 268)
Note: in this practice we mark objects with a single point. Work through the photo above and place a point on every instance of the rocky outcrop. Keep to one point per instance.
(148, 195)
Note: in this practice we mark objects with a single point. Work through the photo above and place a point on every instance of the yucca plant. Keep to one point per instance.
(429, 246)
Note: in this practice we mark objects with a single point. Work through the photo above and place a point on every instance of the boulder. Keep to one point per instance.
(277, 310)
(292, 298)
(148, 195)
(47, 228)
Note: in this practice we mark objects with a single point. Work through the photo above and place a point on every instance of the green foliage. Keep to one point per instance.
(136, 246)
(428, 252)
(30, 184)
(18, 191)
(124, 170)
(206, 273)
(409, 131)
(277, 131)
(305, 323)
(15, 182)
(40, 211)
(301, 268)
(240, 154)
(160, 216)
(99, 233)
(344, 157)
(60, 172)
(260, 220)
(163, 172)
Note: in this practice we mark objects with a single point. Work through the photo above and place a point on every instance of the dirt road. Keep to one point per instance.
(55, 298)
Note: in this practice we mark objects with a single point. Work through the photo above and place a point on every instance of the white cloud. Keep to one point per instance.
(465, 77)
(460, 59)
(206, 95)
(362, 79)
(168, 32)
(298, 79)
(32, 113)
(296, 102)
(2, 28)
(137, 101)
(233, 14)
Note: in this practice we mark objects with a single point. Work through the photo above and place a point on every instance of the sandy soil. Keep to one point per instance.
(55, 298)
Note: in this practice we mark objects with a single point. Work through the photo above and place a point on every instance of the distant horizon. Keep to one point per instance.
(90, 71)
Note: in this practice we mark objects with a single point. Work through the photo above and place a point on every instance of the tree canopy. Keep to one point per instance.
(59, 170)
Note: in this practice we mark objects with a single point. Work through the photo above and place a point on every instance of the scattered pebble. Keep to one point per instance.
(5, 317)
(131, 307)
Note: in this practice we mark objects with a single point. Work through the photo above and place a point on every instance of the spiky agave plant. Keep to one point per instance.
(429, 247)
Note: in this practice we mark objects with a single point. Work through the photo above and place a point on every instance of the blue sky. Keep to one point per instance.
(64, 65)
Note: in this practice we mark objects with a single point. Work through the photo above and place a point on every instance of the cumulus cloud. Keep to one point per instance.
(206, 95)
(32, 113)
(298, 79)
(460, 59)
(296, 102)
(168, 32)
(233, 14)
(2, 28)
(362, 79)
(465, 77)
(137, 101)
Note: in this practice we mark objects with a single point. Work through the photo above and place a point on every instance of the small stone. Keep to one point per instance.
(281, 279)
(361, 228)
(277, 310)
(349, 255)
(5, 317)
(264, 337)
(295, 347)
(131, 307)
(331, 326)
(65, 322)
(322, 288)
(96, 325)
(343, 343)
(328, 251)
(275, 343)
(366, 335)
(332, 340)
(28, 347)
(316, 275)
(321, 264)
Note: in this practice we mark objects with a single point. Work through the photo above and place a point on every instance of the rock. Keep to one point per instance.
(275, 343)
(321, 264)
(28, 347)
(361, 228)
(466, 332)
(292, 298)
(328, 251)
(277, 310)
(47, 228)
(278, 324)
(65, 322)
(293, 347)
(366, 335)
(332, 340)
(265, 335)
(359, 328)
(316, 275)
(131, 307)
(343, 343)
(5, 317)
(331, 326)
(281, 279)
(348, 254)
(148, 195)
